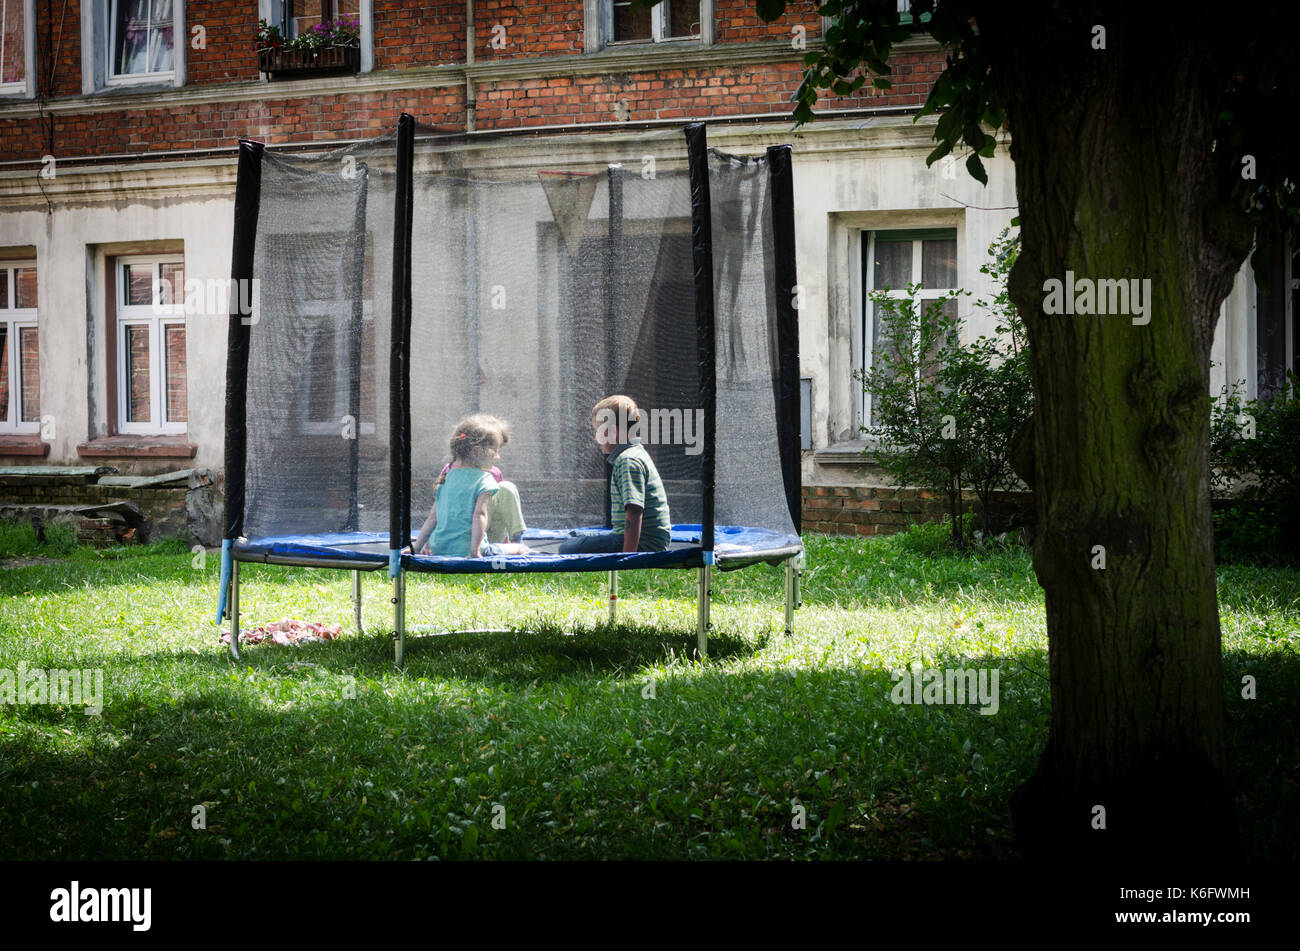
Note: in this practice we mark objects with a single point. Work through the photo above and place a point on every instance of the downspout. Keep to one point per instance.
(469, 61)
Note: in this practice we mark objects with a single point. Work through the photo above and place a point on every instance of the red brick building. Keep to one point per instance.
(119, 118)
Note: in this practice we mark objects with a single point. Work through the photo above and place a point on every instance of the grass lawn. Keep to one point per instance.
(583, 741)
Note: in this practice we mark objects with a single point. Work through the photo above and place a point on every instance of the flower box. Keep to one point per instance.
(278, 61)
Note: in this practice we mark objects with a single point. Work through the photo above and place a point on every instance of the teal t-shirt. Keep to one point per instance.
(455, 501)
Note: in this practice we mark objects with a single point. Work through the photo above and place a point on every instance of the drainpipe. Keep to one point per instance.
(469, 61)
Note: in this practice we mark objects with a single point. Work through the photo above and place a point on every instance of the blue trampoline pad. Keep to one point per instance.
(734, 547)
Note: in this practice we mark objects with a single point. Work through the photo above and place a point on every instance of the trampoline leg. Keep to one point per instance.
(702, 622)
(234, 610)
(356, 600)
(613, 596)
(791, 584)
(399, 617)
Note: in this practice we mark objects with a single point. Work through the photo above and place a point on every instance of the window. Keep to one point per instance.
(905, 13)
(619, 21)
(140, 37)
(17, 47)
(669, 20)
(296, 17)
(891, 262)
(132, 42)
(152, 392)
(20, 373)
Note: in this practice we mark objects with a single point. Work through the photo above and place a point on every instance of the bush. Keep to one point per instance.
(1255, 459)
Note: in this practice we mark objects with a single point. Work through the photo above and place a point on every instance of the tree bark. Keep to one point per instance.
(1115, 180)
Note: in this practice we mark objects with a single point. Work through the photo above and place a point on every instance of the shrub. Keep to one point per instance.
(1255, 459)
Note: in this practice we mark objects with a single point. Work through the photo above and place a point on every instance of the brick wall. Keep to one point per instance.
(422, 35)
(29, 370)
(29, 355)
(229, 53)
(531, 29)
(61, 58)
(177, 395)
(137, 337)
(190, 510)
(406, 36)
(738, 23)
(879, 510)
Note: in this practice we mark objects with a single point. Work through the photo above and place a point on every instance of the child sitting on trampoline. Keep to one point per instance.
(471, 507)
(638, 505)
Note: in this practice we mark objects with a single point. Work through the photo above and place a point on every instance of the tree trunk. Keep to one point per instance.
(1115, 180)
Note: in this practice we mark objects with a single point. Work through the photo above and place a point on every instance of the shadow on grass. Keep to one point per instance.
(332, 754)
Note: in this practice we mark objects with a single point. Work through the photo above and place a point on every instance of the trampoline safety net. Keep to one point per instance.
(407, 281)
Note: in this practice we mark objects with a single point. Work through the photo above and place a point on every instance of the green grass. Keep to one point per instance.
(327, 751)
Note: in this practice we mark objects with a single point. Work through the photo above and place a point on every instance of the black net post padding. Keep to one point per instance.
(356, 265)
(473, 279)
(613, 278)
(399, 384)
(697, 150)
(781, 177)
(613, 283)
(248, 195)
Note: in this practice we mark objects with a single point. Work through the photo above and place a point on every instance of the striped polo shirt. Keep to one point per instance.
(634, 480)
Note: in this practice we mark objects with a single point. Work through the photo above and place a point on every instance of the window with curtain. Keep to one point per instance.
(20, 374)
(13, 44)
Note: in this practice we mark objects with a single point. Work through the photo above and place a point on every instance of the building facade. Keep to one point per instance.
(118, 126)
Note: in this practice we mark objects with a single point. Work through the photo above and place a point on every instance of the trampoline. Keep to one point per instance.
(412, 279)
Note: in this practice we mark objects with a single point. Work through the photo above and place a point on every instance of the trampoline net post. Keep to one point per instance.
(704, 277)
(786, 279)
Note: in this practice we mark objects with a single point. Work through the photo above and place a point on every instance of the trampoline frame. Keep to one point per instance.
(793, 565)
(247, 199)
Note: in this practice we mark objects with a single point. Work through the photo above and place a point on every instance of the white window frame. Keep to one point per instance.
(598, 26)
(16, 319)
(26, 87)
(157, 317)
(921, 299)
(265, 11)
(97, 50)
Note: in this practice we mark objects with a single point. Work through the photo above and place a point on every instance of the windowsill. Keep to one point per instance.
(851, 452)
(142, 79)
(132, 446)
(137, 87)
(667, 39)
(16, 444)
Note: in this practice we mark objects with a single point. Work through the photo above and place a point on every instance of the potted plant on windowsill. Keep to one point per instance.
(326, 47)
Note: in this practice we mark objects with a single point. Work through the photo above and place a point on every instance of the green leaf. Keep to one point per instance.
(976, 169)
(940, 151)
(769, 10)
